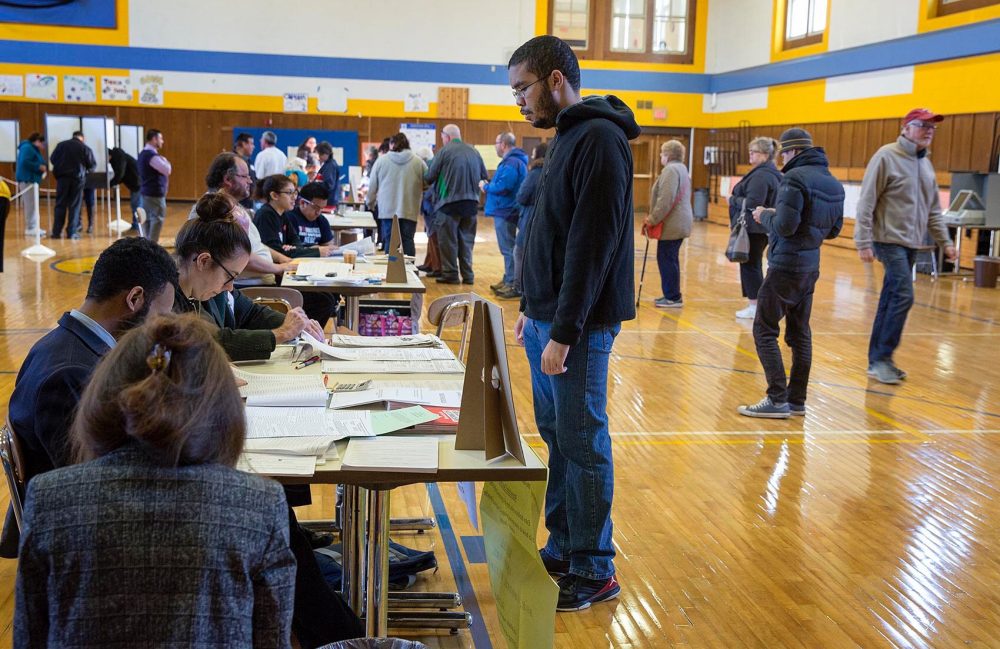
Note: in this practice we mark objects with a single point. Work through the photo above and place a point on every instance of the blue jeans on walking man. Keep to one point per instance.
(571, 413)
(895, 301)
(506, 230)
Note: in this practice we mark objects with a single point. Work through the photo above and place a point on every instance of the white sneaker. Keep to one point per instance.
(748, 313)
(34, 232)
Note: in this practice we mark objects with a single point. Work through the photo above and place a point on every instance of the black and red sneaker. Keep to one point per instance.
(577, 593)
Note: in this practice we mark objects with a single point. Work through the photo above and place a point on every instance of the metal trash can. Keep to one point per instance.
(376, 643)
(987, 269)
(701, 203)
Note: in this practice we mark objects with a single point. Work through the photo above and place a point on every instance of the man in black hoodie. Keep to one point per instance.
(577, 288)
(809, 209)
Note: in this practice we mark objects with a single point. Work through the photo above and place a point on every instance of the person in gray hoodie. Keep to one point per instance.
(898, 206)
(455, 174)
(396, 186)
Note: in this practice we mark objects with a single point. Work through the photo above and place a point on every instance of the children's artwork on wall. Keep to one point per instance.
(79, 88)
(11, 85)
(116, 89)
(42, 86)
(151, 89)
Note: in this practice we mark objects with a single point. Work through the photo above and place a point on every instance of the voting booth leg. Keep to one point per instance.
(351, 303)
(377, 565)
(352, 537)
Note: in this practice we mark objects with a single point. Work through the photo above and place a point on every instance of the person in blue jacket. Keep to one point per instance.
(329, 172)
(501, 202)
(526, 196)
(30, 171)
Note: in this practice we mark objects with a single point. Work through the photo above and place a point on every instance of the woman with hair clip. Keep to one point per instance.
(212, 250)
(759, 187)
(156, 540)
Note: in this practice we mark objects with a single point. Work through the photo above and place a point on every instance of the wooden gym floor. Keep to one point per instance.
(871, 522)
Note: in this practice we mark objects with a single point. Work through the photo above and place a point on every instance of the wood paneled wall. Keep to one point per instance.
(962, 142)
(194, 137)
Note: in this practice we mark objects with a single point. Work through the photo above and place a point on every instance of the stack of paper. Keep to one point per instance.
(286, 456)
(282, 390)
(390, 354)
(401, 395)
(277, 465)
(393, 367)
(320, 268)
(404, 454)
(280, 423)
(414, 340)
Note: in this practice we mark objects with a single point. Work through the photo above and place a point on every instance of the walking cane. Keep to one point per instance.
(642, 275)
(140, 217)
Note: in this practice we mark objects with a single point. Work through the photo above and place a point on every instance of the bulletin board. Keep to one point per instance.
(10, 137)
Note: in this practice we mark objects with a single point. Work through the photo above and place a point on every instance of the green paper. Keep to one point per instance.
(392, 420)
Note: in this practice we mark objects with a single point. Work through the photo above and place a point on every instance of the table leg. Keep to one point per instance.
(352, 536)
(377, 569)
(351, 311)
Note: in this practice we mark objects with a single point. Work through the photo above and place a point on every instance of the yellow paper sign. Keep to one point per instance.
(525, 594)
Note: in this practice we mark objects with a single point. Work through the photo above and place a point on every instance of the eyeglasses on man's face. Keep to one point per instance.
(519, 92)
(927, 126)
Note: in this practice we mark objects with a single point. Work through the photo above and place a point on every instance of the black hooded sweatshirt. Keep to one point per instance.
(578, 251)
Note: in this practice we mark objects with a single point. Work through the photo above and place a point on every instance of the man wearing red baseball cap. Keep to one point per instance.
(898, 206)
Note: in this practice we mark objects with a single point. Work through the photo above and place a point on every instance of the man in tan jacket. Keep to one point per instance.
(897, 207)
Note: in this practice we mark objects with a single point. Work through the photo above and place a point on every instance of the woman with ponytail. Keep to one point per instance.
(156, 539)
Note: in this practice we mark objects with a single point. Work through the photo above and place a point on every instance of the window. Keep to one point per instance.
(805, 22)
(660, 31)
(947, 7)
(570, 22)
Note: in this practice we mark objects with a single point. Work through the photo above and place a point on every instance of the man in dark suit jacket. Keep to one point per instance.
(132, 278)
(71, 161)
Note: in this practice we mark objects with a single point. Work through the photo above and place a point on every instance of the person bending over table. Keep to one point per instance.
(298, 231)
(212, 250)
(156, 518)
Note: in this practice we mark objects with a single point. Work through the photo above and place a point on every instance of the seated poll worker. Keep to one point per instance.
(297, 232)
(212, 250)
(156, 519)
(132, 279)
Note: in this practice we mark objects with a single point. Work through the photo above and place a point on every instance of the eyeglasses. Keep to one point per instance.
(927, 126)
(305, 201)
(290, 192)
(230, 274)
(519, 92)
(753, 151)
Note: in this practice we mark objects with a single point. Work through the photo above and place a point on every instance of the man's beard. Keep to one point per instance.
(136, 318)
(545, 111)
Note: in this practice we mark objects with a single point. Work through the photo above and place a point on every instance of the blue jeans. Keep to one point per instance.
(668, 261)
(895, 301)
(407, 229)
(506, 230)
(571, 414)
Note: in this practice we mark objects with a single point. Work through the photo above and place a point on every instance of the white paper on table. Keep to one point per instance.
(351, 399)
(418, 396)
(284, 422)
(282, 390)
(349, 423)
(364, 246)
(393, 367)
(316, 445)
(417, 454)
(414, 340)
(396, 354)
(320, 268)
(467, 492)
(277, 465)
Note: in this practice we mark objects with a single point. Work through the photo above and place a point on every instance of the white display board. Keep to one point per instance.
(419, 135)
(59, 128)
(131, 139)
(96, 135)
(10, 137)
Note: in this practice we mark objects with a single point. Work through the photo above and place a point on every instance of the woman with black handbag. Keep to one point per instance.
(759, 187)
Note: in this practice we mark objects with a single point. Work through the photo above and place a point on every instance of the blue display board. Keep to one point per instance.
(75, 13)
(347, 141)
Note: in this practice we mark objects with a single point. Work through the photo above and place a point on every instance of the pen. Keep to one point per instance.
(307, 362)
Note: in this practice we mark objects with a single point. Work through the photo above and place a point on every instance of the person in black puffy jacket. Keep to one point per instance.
(809, 209)
(759, 187)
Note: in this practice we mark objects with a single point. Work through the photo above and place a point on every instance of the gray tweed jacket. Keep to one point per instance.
(122, 552)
